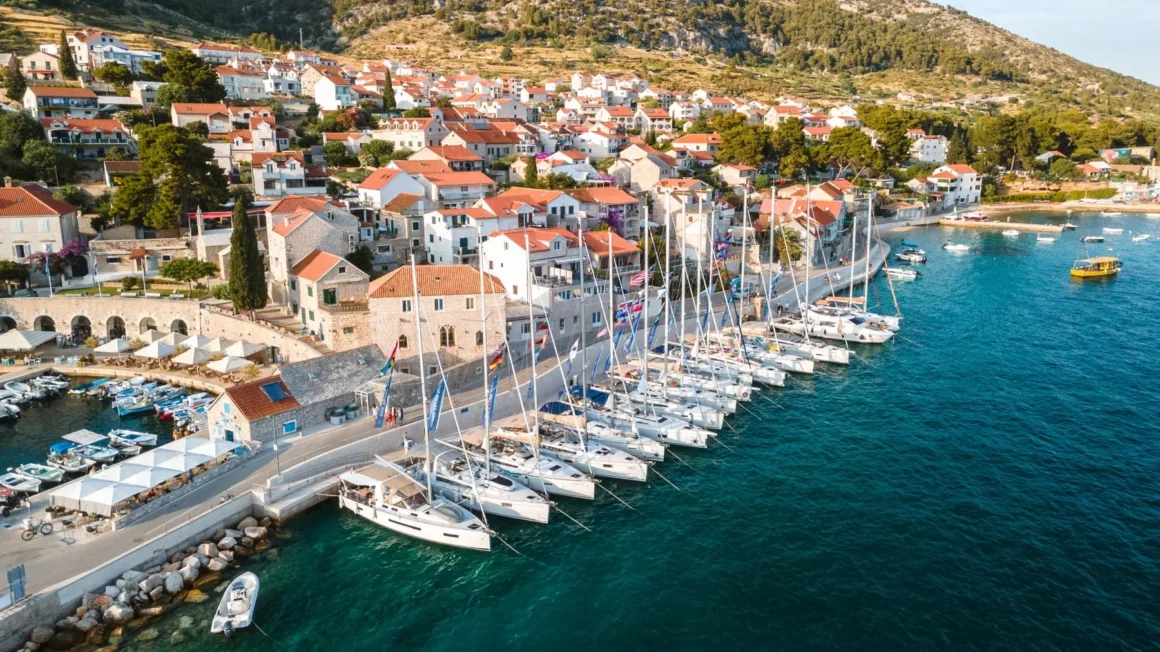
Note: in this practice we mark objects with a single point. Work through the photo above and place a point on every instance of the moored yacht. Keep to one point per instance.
(469, 485)
(382, 493)
(514, 453)
(591, 456)
(628, 441)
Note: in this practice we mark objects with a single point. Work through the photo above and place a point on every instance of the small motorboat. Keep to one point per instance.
(236, 610)
(1111, 231)
(1111, 213)
(9, 410)
(21, 484)
(902, 274)
(85, 387)
(24, 389)
(1098, 267)
(956, 248)
(1152, 215)
(63, 456)
(1092, 238)
(974, 217)
(1068, 226)
(98, 454)
(1044, 239)
(1011, 233)
(911, 255)
(45, 474)
(1141, 237)
(132, 437)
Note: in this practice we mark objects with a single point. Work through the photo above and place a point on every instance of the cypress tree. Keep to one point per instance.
(247, 271)
(388, 93)
(68, 66)
(531, 174)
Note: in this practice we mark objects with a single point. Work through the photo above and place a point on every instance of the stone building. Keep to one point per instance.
(449, 304)
(321, 284)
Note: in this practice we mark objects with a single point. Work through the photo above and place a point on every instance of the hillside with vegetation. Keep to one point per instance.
(872, 48)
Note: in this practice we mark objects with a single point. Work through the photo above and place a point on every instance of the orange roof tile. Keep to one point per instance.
(196, 108)
(597, 243)
(31, 200)
(433, 280)
(293, 204)
(402, 202)
(62, 91)
(606, 196)
(471, 178)
(315, 265)
(379, 178)
(452, 153)
(253, 402)
(429, 166)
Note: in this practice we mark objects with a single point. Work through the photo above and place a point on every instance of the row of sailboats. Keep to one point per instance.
(678, 394)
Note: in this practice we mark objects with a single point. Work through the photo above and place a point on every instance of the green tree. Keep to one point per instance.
(335, 154)
(16, 129)
(791, 149)
(132, 199)
(169, 94)
(153, 70)
(388, 93)
(14, 84)
(114, 73)
(68, 66)
(531, 173)
(188, 270)
(13, 273)
(506, 53)
(247, 281)
(73, 196)
(788, 244)
(761, 182)
(186, 70)
(850, 149)
(957, 151)
(182, 167)
(417, 112)
(1063, 169)
(376, 153)
(443, 102)
(362, 257)
(47, 164)
(746, 144)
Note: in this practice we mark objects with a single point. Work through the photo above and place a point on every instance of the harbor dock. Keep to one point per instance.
(1001, 226)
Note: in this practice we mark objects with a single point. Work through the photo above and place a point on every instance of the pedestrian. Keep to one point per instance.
(400, 414)
(406, 443)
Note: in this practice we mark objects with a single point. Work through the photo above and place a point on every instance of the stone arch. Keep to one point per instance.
(147, 324)
(82, 328)
(179, 326)
(44, 323)
(115, 327)
(7, 323)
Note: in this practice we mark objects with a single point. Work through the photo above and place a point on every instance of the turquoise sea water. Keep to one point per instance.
(988, 481)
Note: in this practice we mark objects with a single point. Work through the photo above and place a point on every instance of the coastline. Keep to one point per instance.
(1063, 207)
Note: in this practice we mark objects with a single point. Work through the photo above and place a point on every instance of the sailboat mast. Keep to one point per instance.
(744, 260)
(684, 269)
(667, 281)
(486, 353)
(532, 331)
(583, 301)
(866, 286)
(422, 378)
(645, 289)
(854, 255)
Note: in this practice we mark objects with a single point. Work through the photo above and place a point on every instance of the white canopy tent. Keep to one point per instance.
(244, 349)
(217, 345)
(155, 350)
(121, 472)
(151, 335)
(194, 342)
(193, 356)
(117, 345)
(94, 495)
(173, 338)
(183, 462)
(155, 457)
(212, 448)
(14, 340)
(228, 364)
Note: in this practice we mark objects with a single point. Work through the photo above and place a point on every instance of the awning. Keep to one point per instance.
(217, 345)
(15, 340)
(194, 342)
(155, 350)
(193, 356)
(117, 345)
(244, 349)
(228, 364)
(84, 437)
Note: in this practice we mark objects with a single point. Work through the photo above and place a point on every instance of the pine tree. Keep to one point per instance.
(247, 271)
(14, 85)
(531, 174)
(957, 148)
(388, 93)
(68, 67)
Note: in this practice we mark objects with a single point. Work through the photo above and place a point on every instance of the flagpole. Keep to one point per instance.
(486, 354)
(422, 377)
(531, 331)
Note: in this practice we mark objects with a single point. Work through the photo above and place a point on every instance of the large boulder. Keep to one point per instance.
(96, 635)
(176, 557)
(101, 603)
(65, 640)
(42, 634)
(217, 535)
(226, 543)
(266, 522)
(208, 549)
(152, 582)
(134, 576)
(216, 565)
(234, 534)
(157, 593)
(255, 532)
(67, 624)
(112, 591)
(118, 614)
(189, 574)
(246, 542)
(204, 559)
(249, 521)
(226, 555)
(88, 599)
(195, 596)
(88, 622)
(171, 566)
(192, 560)
(174, 582)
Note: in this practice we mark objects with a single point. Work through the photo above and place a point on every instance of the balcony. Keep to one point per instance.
(346, 305)
(60, 103)
(89, 140)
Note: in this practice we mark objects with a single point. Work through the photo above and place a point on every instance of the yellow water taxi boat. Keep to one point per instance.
(1097, 267)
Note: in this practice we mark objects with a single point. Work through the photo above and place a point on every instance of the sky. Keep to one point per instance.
(1116, 34)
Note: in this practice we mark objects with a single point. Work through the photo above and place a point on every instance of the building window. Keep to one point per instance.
(348, 330)
(439, 304)
(595, 319)
(561, 325)
(290, 427)
(312, 315)
(406, 305)
(402, 341)
(525, 328)
(470, 303)
(479, 338)
(293, 284)
(415, 225)
(226, 408)
(341, 269)
(447, 336)
(432, 370)
(309, 290)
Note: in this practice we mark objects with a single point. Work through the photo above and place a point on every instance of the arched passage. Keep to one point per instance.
(178, 326)
(44, 323)
(115, 327)
(147, 324)
(82, 328)
(7, 324)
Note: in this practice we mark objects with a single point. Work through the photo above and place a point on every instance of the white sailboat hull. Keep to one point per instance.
(493, 503)
(642, 447)
(403, 523)
(606, 466)
(679, 435)
(819, 352)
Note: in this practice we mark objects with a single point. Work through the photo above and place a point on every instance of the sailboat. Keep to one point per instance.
(629, 441)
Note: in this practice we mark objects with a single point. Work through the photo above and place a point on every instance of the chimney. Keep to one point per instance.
(7, 182)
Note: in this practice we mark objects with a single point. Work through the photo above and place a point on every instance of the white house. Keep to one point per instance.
(331, 93)
(453, 234)
(60, 102)
(384, 184)
(277, 174)
(455, 189)
(929, 149)
(960, 184)
(243, 83)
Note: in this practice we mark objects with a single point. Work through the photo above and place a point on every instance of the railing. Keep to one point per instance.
(344, 306)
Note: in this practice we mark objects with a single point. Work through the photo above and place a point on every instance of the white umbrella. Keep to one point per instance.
(228, 364)
(121, 472)
(213, 448)
(173, 338)
(151, 476)
(155, 457)
(118, 345)
(244, 349)
(183, 462)
(217, 345)
(193, 356)
(155, 350)
(194, 342)
(152, 335)
(14, 340)
(103, 500)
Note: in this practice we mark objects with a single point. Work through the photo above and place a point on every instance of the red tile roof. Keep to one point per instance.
(279, 158)
(434, 281)
(315, 265)
(291, 222)
(451, 153)
(379, 179)
(83, 125)
(597, 243)
(402, 202)
(429, 166)
(293, 204)
(471, 178)
(196, 108)
(253, 402)
(62, 91)
(606, 196)
(31, 201)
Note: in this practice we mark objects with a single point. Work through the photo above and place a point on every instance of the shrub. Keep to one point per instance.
(129, 282)
(220, 292)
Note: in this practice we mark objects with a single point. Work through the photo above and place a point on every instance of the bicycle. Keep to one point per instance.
(32, 527)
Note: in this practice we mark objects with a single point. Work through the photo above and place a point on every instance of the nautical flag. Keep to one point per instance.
(436, 405)
(575, 349)
(632, 334)
(602, 333)
(390, 361)
(542, 328)
(493, 384)
(611, 350)
(496, 361)
(639, 277)
(652, 331)
(384, 404)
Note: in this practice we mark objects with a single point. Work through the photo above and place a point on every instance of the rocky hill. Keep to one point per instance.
(913, 40)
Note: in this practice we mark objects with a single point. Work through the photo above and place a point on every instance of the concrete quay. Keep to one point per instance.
(1002, 226)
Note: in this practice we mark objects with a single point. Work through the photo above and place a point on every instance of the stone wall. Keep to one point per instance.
(388, 322)
(63, 310)
(292, 349)
(337, 324)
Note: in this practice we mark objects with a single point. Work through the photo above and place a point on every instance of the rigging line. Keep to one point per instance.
(654, 470)
(567, 516)
(897, 336)
(669, 451)
(730, 426)
(718, 440)
(512, 548)
(272, 639)
(621, 500)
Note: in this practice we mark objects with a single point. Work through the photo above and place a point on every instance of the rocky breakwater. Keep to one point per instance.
(126, 608)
